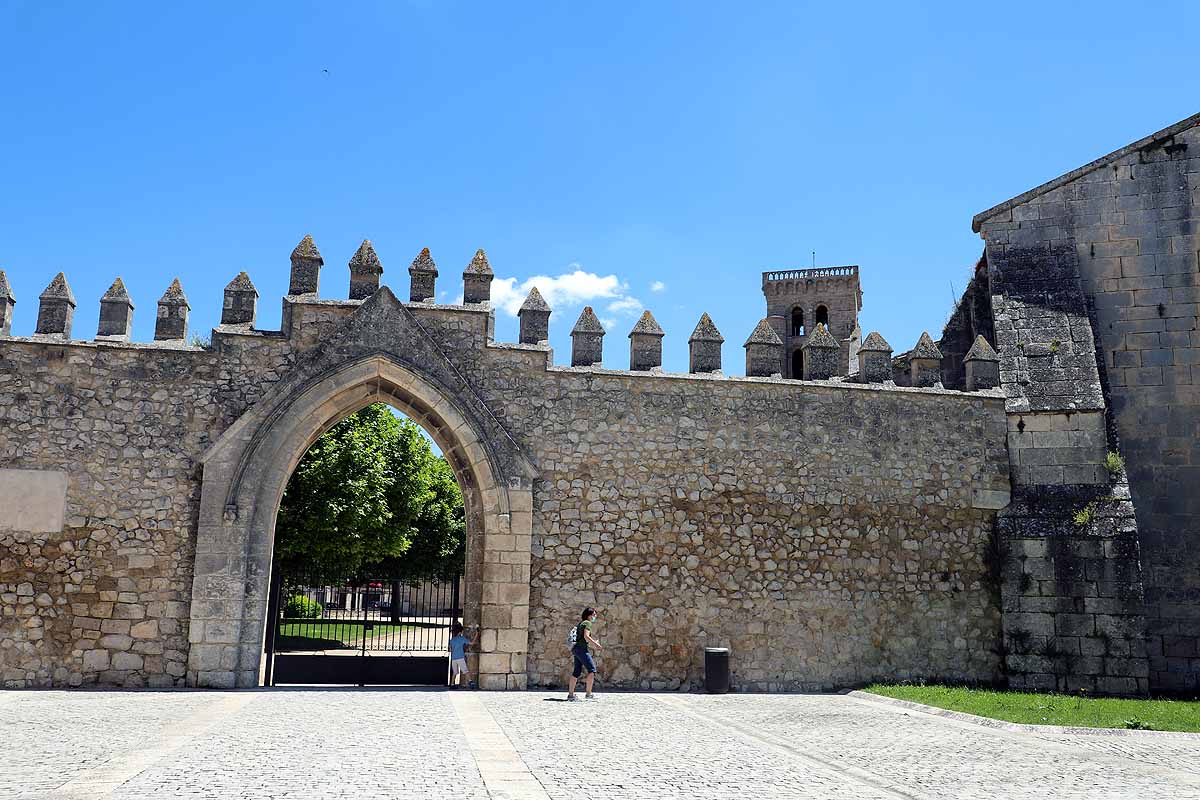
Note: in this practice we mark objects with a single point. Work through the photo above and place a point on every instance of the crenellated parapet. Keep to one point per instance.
(820, 355)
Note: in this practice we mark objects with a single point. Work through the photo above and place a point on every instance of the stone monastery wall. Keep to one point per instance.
(830, 532)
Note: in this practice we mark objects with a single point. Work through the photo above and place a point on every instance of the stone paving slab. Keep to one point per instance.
(432, 744)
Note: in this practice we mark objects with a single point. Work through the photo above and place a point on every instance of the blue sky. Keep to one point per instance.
(661, 155)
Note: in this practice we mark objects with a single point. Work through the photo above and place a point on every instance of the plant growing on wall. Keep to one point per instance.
(370, 492)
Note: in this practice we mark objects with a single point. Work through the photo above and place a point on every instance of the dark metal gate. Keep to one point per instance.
(366, 630)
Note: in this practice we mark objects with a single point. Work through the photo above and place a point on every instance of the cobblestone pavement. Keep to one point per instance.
(317, 743)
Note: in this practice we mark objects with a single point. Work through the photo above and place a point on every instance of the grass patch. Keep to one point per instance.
(1054, 709)
(332, 635)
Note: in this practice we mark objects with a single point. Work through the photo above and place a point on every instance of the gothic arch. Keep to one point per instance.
(245, 474)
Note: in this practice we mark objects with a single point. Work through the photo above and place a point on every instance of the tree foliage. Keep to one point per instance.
(371, 494)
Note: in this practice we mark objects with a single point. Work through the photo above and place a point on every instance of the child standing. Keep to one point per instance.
(458, 655)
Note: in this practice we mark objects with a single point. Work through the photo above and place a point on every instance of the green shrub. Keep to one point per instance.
(1114, 463)
(1135, 724)
(300, 607)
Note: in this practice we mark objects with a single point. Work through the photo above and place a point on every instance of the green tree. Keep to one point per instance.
(371, 494)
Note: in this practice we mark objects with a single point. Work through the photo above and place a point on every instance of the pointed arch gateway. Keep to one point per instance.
(380, 354)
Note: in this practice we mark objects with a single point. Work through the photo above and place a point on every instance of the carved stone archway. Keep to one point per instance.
(246, 472)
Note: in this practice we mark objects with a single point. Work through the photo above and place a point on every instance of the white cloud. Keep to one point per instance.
(657, 286)
(626, 305)
(563, 291)
(609, 324)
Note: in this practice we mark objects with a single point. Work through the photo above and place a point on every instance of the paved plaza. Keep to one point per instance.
(336, 743)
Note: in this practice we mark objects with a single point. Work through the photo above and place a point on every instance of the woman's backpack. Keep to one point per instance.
(572, 636)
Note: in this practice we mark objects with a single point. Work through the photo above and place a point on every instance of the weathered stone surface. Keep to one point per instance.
(679, 503)
(981, 365)
(7, 301)
(925, 362)
(645, 343)
(875, 359)
(173, 309)
(704, 346)
(587, 339)
(57, 309)
(534, 315)
(306, 268)
(477, 279)
(241, 301)
(800, 299)
(116, 312)
(365, 269)
(422, 278)
(821, 355)
(763, 351)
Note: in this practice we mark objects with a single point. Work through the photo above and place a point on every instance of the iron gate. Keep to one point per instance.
(365, 630)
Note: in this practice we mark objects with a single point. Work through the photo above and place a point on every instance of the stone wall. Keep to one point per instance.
(830, 533)
(1126, 226)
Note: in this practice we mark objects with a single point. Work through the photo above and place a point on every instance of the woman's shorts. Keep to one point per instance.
(458, 666)
(583, 661)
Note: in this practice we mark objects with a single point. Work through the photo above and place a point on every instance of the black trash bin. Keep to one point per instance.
(716, 670)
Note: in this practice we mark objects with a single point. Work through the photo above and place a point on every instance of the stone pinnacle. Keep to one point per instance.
(59, 289)
(534, 301)
(647, 325)
(706, 331)
(423, 263)
(365, 262)
(479, 265)
(588, 322)
(307, 251)
(763, 333)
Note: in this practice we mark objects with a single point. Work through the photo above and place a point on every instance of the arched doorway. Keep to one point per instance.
(368, 559)
(797, 363)
(245, 474)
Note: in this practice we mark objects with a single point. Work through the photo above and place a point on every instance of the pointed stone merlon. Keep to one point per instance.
(422, 278)
(874, 359)
(587, 340)
(57, 309)
(173, 308)
(535, 319)
(241, 302)
(704, 346)
(645, 343)
(116, 313)
(764, 352)
(306, 268)
(983, 366)
(365, 270)
(477, 279)
(925, 362)
(821, 354)
(7, 301)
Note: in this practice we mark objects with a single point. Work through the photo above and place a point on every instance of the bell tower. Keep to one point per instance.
(800, 299)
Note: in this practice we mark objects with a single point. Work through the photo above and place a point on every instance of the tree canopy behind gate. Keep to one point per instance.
(370, 493)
